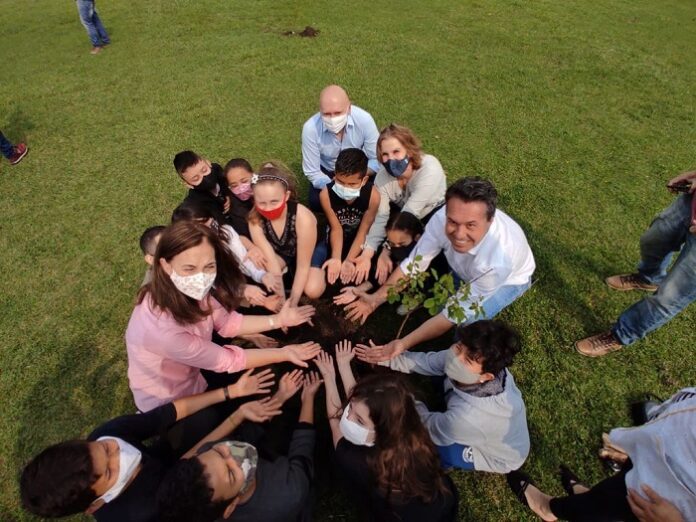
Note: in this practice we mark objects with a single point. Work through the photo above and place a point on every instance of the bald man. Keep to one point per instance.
(338, 125)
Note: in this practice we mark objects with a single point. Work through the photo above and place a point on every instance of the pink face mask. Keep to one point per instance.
(243, 191)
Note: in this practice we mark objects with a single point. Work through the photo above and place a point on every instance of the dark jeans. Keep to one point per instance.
(6, 146)
(605, 502)
(93, 24)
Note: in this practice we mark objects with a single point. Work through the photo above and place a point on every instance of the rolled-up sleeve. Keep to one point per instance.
(227, 324)
(192, 350)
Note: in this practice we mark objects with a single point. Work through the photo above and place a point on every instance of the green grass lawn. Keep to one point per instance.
(578, 111)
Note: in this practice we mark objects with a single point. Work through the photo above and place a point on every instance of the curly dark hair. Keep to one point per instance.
(491, 342)
(185, 496)
(58, 481)
(474, 188)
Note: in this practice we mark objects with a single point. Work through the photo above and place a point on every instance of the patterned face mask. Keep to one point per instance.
(195, 286)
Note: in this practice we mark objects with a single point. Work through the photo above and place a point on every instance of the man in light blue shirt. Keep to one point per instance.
(337, 126)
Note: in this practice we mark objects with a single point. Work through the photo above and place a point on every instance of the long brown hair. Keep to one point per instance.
(228, 283)
(405, 460)
(406, 137)
(270, 172)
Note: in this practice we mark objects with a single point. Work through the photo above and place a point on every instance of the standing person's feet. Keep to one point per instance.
(96, 49)
(19, 152)
(625, 282)
(598, 345)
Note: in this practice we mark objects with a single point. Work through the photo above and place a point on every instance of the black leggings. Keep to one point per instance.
(605, 502)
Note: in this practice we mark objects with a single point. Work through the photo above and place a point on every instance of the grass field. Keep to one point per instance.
(578, 111)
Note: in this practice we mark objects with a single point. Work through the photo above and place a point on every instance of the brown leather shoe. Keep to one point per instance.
(598, 345)
(625, 282)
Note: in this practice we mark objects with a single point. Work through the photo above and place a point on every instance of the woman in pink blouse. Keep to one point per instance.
(196, 286)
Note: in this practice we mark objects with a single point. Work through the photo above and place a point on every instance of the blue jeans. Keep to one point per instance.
(494, 304)
(667, 234)
(6, 146)
(320, 254)
(90, 19)
(456, 456)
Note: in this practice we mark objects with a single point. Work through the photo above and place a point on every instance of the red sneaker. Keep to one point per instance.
(19, 152)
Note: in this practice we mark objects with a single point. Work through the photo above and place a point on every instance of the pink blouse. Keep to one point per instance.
(165, 357)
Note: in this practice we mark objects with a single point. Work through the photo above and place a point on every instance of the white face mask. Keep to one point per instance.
(457, 371)
(335, 124)
(129, 458)
(196, 286)
(354, 432)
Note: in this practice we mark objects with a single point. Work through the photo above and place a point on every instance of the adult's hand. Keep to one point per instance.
(294, 315)
(273, 303)
(374, 353)
(333, 269)
(653, 509)
(249, 384)
(260, 411)
(261, 340)
(361, 309)
(325, 364)
(255, 255)
(385, 266)
(685, 176)
(299, 353)
(345, 296)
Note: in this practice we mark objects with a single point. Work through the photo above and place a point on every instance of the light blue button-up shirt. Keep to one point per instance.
(320, 146)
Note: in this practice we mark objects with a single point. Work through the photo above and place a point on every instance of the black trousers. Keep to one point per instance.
(605, 502)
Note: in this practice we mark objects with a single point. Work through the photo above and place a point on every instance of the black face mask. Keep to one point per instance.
(207, 184)
(398, 254)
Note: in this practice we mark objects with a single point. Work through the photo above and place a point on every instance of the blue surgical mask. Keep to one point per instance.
(396, 167)
(346, 193)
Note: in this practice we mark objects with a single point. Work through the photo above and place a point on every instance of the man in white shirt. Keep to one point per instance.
(337, 126)
(483, 246)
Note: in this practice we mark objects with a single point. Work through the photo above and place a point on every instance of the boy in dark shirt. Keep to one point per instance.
(113, 475)
(227, 481)
(204, 179)
(350, 203)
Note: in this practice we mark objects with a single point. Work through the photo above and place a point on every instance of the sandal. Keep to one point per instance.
(518, 482)
(569, 480)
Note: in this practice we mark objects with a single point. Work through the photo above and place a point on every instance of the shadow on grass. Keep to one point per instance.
(18, 124)
(85, 391)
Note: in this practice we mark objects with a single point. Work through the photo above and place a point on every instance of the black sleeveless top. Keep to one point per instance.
(350, 214)
(285, 245)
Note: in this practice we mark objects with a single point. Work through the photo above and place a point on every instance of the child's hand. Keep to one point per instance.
(260, 411)
(344, 352)
(299, 353)
(254, 295)
(289, 383)
(384, 267)
(347, 295)
(310, 386)
(347, 271)
(362, 269)
(325, 364)
(273, 303)
(273, 283)
(255, 255)
(333, 269)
